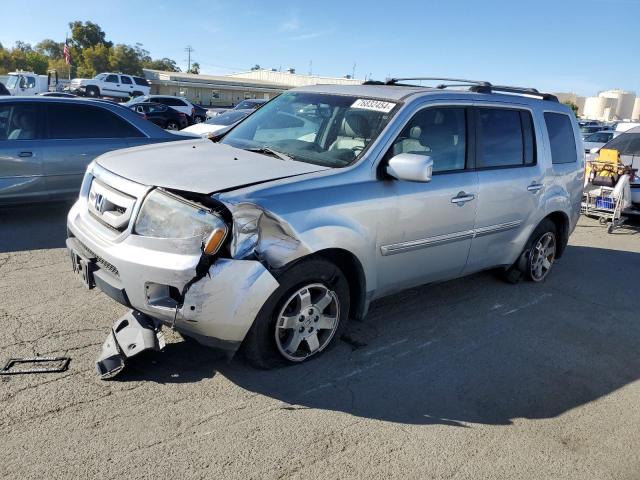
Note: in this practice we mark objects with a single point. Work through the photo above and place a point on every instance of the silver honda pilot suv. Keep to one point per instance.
(274, 234)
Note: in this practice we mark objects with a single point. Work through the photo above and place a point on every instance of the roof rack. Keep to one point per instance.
(477, 86)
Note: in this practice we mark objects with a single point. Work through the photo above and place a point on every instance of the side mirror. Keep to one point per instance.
(411, 167)
(594, 150)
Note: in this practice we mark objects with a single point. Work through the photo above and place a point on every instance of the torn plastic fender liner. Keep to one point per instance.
(256, 231)
(219, 309)
(131, 334)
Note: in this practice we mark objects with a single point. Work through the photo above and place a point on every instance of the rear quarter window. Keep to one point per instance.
(141, 81)
(561, 138)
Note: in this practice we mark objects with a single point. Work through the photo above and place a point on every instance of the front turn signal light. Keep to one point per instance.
(215, 241)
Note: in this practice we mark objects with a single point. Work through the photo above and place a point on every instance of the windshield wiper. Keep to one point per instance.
(270, 151)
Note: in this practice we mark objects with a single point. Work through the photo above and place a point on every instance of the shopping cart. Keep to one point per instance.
(607, 193)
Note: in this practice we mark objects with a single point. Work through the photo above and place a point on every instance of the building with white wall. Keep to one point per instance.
(623, 102)
(293, 79)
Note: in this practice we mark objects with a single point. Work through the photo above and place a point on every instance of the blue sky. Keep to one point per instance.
(562, 45)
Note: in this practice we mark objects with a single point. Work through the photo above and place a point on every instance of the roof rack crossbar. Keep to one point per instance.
(477, 86)
(515, 90)
(393, 81)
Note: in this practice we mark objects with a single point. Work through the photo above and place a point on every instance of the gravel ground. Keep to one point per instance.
(472, 378)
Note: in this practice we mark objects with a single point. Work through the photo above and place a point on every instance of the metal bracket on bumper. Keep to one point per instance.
(131, 334)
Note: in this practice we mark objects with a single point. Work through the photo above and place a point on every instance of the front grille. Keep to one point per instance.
(110, 206)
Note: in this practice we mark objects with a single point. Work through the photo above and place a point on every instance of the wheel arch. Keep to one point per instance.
(561, 221)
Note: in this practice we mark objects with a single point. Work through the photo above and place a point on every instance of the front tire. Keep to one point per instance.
(302, 318)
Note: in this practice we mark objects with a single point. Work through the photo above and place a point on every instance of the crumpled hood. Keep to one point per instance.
(199, 166)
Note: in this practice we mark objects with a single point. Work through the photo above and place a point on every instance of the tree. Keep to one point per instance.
(572, 106)
(50, 48)
(94, 60)
(165, 64)
(125, 59)
(195, 68)
(256, 67)
(88, 34)
(37, 63)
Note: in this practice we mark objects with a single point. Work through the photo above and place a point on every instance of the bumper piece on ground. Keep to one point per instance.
(131, 334)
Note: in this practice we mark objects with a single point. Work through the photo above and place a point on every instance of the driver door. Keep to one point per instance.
(430, 234)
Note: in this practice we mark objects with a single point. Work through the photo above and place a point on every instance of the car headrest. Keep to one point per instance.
(355, 125)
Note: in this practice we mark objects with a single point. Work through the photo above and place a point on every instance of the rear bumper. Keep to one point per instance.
(216, 308)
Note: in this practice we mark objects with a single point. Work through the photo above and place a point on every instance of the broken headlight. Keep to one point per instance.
(164, 215)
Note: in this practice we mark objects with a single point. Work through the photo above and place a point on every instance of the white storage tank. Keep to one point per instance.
(624, 102)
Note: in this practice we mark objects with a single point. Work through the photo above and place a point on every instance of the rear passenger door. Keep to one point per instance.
(511, 184)
(75, 135)
(126, 85)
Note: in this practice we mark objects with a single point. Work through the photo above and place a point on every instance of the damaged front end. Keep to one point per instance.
(130, 335)
(198, 264)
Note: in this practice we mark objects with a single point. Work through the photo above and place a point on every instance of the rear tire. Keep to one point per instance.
(538, 256)
(302, 318)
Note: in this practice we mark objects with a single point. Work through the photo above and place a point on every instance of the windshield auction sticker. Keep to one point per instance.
(376, 105)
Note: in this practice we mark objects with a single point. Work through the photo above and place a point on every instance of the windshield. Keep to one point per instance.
(135, 100)
(625, 144)
(228, 118)
(330, 130)
(12, 81)
(245, 104)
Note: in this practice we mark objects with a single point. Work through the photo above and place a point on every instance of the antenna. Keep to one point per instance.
(188, 49)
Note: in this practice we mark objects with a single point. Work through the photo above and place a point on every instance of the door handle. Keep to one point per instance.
(25, 154)
(535, 187)
(462, 198)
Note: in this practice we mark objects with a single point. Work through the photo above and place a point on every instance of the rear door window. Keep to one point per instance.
(561, 138)
(66, 121)
(505, 138)
(141, 81)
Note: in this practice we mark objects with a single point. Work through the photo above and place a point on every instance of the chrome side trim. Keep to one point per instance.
(425, 242)
(500, 227)
(448, 238)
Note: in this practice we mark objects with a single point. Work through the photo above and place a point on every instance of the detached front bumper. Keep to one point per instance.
(217, 308)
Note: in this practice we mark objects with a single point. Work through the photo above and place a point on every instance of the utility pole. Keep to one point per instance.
(310, 67)
(188, 49)
(353, 72)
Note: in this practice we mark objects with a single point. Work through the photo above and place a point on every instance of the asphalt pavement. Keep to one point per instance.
(472, 378)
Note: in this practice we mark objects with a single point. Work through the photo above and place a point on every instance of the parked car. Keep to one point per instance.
(180, 104)
(114, 85)
(199, 114)
(3, 90)
(275, 245)
(215, 124)
(250, 104)
(58, 94)
(589, 129)
(46, 143)
(161, 115)
(594, 141)
(627, 143)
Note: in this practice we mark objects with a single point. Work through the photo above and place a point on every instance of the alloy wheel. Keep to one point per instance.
(307, 322)
(172, 126)
(542, 256)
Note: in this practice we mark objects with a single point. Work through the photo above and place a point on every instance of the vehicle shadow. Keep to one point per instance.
(33, 227)
(474, 350)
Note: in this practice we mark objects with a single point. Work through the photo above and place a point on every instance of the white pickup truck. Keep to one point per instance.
(29, 83)
(111, 85)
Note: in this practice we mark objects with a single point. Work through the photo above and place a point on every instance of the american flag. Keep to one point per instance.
(67, 53)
